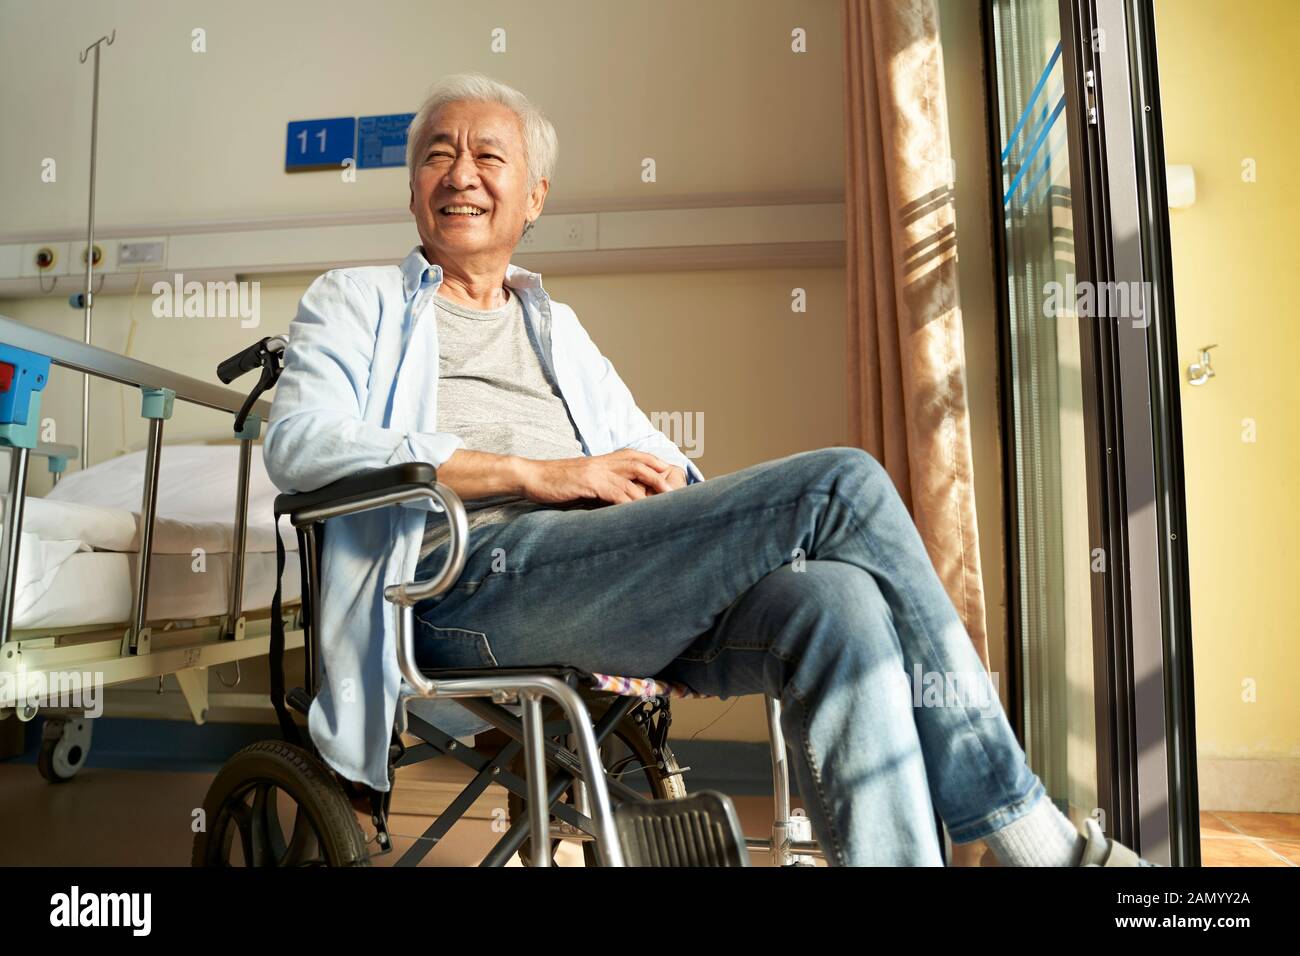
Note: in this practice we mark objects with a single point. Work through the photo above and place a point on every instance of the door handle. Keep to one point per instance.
(1198, 373)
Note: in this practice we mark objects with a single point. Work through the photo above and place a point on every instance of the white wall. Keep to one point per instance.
(711, 91)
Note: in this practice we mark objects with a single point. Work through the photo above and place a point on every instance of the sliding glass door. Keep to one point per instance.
(1098, 631)
(1044, 427)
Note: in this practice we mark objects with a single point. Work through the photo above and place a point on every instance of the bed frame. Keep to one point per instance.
(60, 658)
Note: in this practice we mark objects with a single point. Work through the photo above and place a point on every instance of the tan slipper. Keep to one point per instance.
(1100, 850)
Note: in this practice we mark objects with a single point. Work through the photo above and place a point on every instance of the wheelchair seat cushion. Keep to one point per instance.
(573, 676)
(641, 686)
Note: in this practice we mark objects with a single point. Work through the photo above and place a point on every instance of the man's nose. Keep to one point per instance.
(463, 174)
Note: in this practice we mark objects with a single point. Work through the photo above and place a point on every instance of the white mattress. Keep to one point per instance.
(76, 563)
(96, 587)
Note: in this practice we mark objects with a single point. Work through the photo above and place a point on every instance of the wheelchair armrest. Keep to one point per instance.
(361, 492)
(378, 488)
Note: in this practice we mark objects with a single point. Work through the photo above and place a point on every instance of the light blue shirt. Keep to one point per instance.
(358, 392)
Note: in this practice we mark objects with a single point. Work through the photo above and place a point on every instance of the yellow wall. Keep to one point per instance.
(1230, 79)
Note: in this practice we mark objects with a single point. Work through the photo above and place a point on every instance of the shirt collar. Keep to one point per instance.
(416, 269)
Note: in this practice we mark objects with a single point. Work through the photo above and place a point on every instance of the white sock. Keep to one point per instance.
(1042, 837)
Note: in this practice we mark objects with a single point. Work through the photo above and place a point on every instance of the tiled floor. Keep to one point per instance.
(1231, 838)
(137, 817)
(108, 817)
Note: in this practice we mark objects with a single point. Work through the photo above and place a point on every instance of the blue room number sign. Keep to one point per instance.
(320, 144)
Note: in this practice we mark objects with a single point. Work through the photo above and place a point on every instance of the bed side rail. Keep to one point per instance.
(101, 363)
(26, 354)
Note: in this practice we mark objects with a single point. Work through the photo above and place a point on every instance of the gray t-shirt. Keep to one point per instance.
(495, 395)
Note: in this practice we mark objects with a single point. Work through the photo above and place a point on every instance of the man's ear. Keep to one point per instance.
(538, 198)
(411, 205)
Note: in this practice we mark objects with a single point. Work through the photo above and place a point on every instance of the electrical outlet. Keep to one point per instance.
(573, 231)
(561, 233)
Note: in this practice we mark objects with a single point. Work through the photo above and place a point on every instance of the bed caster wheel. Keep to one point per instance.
(65, 744)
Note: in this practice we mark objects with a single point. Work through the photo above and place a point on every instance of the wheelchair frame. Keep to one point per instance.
(485, 691)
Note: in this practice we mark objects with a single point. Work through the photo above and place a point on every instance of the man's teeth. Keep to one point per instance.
(462, 210)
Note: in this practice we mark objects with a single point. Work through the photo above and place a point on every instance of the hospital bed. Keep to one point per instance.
(157, 563)
(577, 743)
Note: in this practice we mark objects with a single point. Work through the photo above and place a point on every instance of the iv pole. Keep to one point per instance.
(89, 301)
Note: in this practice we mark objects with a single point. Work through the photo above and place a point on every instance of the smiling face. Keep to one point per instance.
(470, 195)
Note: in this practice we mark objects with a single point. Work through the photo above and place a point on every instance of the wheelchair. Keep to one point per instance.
(574, 742)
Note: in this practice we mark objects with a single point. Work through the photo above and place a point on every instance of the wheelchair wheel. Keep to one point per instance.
(628, 756)
(261, 788)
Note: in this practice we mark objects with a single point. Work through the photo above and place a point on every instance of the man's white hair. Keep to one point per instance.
(541, 146)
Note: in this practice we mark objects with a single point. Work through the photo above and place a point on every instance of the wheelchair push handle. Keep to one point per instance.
(265, 354)
(255, 356)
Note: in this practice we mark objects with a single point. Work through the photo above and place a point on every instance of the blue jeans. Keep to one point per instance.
(803, 579)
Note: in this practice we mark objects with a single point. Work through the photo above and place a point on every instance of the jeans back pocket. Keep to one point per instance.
(437, 647)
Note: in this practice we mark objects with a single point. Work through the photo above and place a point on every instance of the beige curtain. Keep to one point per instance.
(907, 386)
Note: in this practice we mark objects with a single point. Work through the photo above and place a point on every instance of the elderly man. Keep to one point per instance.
(596, 543)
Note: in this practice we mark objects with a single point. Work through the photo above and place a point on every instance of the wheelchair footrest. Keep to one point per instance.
(699, 830)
